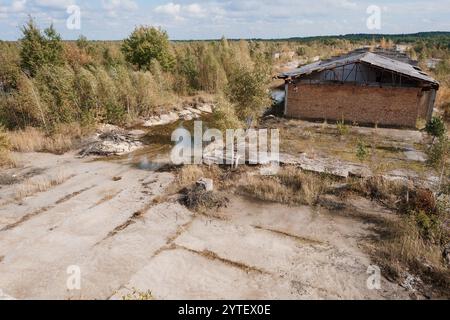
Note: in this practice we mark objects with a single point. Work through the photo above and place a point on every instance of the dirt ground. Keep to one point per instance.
(100, 217)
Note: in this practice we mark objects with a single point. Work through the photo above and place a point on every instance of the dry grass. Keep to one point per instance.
(139, 295)
(386, 191)
(39, 184)
(189, 174)
(63, 139)
(6, 157)
(413, 242)
(291, 186)
(402, 249)
(198, 199)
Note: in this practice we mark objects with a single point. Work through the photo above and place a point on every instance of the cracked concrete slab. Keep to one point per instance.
(103, 220)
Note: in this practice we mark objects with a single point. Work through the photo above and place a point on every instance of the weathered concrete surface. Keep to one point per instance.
(263, 251)
(102, 219)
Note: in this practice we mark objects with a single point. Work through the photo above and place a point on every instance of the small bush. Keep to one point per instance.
(342, 128)
(362, 152)
(436, 127)
(438, 153)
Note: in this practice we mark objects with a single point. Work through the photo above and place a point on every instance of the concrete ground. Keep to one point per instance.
(101, 219)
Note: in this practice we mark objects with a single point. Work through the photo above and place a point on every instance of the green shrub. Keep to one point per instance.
(436, 127)
(362, 152)
(438, 153)
(342, 128)
(146, 44)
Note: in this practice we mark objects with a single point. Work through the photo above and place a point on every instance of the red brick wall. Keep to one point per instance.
(364, 105)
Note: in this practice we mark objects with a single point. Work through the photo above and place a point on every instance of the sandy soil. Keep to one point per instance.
(102, 219)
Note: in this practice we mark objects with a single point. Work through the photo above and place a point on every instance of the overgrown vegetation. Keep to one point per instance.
(291, 186)
(55, 82)
(414, 241)
(439, 151)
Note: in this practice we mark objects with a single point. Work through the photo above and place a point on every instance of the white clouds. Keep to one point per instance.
(16, 6)
(343, 3)
(203, 19)
(181, 12)
(120, 5)
(113, 7)
(54, 4)
(195, 9)
(170, 9)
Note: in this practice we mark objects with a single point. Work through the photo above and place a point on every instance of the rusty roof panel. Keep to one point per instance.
(369, 58)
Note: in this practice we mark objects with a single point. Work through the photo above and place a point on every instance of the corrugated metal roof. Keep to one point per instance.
(368, 58)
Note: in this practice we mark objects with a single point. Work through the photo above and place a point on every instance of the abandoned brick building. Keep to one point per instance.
(365, 87)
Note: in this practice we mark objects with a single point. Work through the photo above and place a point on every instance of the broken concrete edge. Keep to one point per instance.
(329, 166)
(187, 114)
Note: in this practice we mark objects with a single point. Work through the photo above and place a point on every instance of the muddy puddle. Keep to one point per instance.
(157, 145)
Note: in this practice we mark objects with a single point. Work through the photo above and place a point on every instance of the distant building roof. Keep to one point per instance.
(380, 60)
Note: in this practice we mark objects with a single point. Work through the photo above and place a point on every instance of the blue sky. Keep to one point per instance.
(206, 19)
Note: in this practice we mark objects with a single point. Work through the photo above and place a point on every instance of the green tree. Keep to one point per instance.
(39, 49)
(146, 44)
(247, 89)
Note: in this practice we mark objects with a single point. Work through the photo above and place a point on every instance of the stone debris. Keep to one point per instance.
(206, 184)
(187, 114)
(112, 143)
(411, 282)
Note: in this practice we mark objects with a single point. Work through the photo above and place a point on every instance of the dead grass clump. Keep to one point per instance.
(137, 295)
(198, 199)
(268, 189)
(39, 184)
(388, 192)
(6, 157)
(62, 139)
(8, 160)
(189, 174)
(290, 185)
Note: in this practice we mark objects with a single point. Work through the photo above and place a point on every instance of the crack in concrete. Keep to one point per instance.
(293, 236)
(41, 210)
(215, 257)
(106, 198)
(74, 194)
(26, 217)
